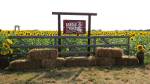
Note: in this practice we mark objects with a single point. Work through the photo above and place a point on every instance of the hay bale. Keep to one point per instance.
(77, 61)
(60, 62)
(24, 64)
(92, 60)
(102, 52)
(109, 52)
(127, 61)
(116, 52)
(120, 62)
(131, 60)
(48, 63)
(105, 61)
(43, 53)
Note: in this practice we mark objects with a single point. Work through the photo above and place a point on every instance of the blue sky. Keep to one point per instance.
(112, 14)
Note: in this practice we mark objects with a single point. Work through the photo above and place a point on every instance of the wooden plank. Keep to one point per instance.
(110, 45)
(30, 46)
(109, 36)
(84, 37)
(75, 53)
(73, 13)
(66, 53)
(56, 46)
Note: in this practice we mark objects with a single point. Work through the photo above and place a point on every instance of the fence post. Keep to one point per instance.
(59, 33)
(89, 32)
(55, 41)
(128, 47)
(94, 47)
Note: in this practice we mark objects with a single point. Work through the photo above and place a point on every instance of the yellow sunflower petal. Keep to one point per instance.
(10, 51)
(5, 45)
(140, 48)
(4, 53)
(9, 41)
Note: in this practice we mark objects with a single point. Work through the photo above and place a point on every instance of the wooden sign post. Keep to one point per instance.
(74, 13)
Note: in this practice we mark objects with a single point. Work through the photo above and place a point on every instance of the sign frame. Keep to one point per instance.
(59, 14)
(74, 26)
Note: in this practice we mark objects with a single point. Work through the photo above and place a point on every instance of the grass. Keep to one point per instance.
(79, 75)
(147, 59)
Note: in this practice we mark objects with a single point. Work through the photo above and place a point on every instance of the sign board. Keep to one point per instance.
(74, 26)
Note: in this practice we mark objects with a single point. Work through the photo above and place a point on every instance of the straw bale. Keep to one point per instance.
(48, 63)
(92, 60)
(102, 52)
(42, 53)
(127, 61)
(24, 64)
(131, 60)
(109, 52)
(116, 52)
(60, 62)
(105, 61)
(120, 62)
(77, 61)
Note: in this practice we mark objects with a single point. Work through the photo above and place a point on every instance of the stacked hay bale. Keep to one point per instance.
(77, 61)
(51, 63)
(109, 52)
(107, 56)
(113, 56)
(40, 54)
(60, 62)
(132, 60)
(37, 58)
(23, 64)
(92, 60)
(46, 56)
(127, 61)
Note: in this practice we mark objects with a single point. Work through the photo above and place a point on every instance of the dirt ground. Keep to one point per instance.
(79, 75)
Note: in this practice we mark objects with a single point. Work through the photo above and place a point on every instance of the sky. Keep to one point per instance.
(112, 14)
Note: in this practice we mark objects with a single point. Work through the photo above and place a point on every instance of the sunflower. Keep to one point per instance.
(140, 48)
(10, 51)
(132, 34)
(131, 38)
(5, 45)
(8, 41)
(4, 52)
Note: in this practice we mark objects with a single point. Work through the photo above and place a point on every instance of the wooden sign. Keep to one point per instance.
(74, 26)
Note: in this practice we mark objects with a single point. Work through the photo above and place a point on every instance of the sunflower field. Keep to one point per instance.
(136, 38)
